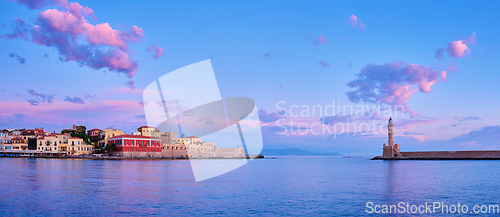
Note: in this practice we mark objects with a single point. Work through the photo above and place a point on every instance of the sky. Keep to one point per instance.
(431, 66)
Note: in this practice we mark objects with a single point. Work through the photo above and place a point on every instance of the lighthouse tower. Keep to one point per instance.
(391, 150)
(390, 132)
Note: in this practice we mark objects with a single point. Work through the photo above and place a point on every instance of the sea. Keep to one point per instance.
(284, 186)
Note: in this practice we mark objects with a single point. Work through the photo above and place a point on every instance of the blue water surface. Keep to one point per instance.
(296, 186)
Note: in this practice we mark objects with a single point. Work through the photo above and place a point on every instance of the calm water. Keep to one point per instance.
(312, 186)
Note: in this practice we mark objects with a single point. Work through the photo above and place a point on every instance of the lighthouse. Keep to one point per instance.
(390, 132)
(391, 150)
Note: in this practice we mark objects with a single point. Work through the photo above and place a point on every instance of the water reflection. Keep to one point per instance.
(287, 185)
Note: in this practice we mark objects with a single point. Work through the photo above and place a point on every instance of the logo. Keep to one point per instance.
(218, 135)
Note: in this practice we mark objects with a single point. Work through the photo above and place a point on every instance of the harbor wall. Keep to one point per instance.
(451, 154)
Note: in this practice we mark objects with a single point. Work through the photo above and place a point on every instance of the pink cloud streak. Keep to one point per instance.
(393, 84)
(64, 29)
(459, 48)
(156, 51)
(320, 40)
(354, 21)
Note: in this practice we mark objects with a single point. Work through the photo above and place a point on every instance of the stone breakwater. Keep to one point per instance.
(443, 155)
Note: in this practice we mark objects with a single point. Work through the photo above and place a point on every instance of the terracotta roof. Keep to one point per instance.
(94, 129)
(40, 138)
(133, 137)
(192, 137)
(75, 138)
(145, 127)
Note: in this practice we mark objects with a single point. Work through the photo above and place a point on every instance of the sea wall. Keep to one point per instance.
(163, 153)
(452, 154)
(238, 152)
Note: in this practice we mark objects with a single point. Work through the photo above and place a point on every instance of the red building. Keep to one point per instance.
(130, 145)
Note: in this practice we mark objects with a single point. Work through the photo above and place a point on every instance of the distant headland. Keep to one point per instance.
(392, 152)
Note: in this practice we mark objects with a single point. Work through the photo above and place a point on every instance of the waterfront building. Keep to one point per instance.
(7, 146)
(32, 143)
(15, 133)
(49, 143)
(166, 137)
(183, 141)
(3, 139)
(196, 148)
(109, 133)
(147, 131)
(136, 146)
(77, 147)
(31, 136)
(95, 135)
(19, 144)
(33, 132)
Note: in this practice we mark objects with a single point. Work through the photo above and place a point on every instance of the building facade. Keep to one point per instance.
(95, 135)
(77, 147)
(109, 133)
(147, 131)
(166, 137)
(4, 136)
(19, 143)
(50, 143)
(136, 146)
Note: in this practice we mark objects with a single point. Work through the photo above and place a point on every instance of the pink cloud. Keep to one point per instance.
(135, 34)
(77, 9)
(101, 47)
(459, 48)
(443, 75)
(320, 40)
(393, 83)
(103, 34)
(354, 21)
(414, 114)
(156, 51)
